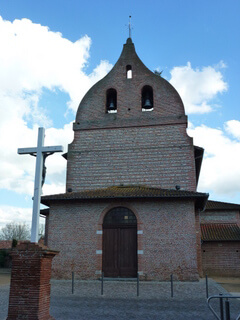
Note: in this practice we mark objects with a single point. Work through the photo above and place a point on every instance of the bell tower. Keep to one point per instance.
(130, 129)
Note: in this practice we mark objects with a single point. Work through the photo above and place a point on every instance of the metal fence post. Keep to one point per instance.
(207, 286)
(102, 283)
(73, 282)
(221, 306)
(227, 309)
(137, 284)
(171, 286)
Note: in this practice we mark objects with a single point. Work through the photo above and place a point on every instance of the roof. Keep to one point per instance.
(217, 205)
(119, 192)
(220, 232)
(44, 212)
(5, 244)
(198, 155)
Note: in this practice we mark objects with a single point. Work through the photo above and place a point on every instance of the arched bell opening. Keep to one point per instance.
(129, 71)
(147, 98)
(120, 243)
(111, 101)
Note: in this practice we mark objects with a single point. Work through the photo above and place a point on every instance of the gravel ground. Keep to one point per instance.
(120, 300)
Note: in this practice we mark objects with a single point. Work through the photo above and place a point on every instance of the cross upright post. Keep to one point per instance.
(40, 152)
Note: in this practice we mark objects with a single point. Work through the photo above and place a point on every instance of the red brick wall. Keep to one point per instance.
(198, 239)
(160, 156)
(29, 296)
(220, 216)
(221, 258)
(167, 242)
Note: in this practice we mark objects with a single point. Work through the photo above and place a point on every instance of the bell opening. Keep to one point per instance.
(111, 101)
(147, 98)
(129, 71)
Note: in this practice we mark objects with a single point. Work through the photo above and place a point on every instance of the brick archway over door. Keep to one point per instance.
(120, 243)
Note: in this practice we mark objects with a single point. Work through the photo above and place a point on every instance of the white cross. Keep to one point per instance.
(40, 152)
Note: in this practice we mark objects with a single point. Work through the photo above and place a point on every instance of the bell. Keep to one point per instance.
(147, 104)
(111, 106)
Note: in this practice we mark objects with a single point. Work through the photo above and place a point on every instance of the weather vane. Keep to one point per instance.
(130, 27)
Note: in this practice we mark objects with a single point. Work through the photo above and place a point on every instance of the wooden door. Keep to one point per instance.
(127, 252)
(120, 252)
(120, 243)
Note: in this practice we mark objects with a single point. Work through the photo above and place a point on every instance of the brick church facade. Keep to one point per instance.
(131, 203)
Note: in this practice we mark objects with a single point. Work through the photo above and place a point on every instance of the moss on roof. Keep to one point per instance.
(220, 232)
(127, 192)
(217, 205)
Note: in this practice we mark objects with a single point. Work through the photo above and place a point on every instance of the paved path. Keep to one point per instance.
(120, 301)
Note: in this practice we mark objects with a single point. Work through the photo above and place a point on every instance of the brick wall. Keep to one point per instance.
(221, 258)
(167, 241)
(160, 156)
(29, 296)
(198, 239)
(220, 216)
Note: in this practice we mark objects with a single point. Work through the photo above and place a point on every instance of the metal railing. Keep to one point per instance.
(102, 281)
(223, 300)
(224, 303)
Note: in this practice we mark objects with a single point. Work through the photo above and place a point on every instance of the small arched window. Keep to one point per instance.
(120, 216)
(129, 71)
(111, 101)
(147, 98)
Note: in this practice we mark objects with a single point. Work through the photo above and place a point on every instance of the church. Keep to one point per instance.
(131, 203)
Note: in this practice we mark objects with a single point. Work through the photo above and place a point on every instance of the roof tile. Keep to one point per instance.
(217, 205)
(126, 192)
(220, 232)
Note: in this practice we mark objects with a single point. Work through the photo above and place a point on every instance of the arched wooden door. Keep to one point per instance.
(120, 243)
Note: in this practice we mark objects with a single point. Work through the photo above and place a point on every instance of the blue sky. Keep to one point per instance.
(52, 52)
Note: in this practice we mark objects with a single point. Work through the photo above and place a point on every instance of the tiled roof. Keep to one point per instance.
(220, 232)
(217, 205)
(5, 244)
(127, 192)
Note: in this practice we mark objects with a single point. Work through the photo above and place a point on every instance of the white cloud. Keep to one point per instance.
(198, 87)
(220, 172)
(233, 128)
(33, 58)
(9, 214)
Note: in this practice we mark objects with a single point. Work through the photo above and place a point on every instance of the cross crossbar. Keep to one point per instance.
(43, 150)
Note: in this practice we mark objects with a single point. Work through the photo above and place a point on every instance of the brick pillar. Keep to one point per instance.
(30, 282)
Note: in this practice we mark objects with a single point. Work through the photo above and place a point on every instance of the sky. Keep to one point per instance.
(52, 52)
